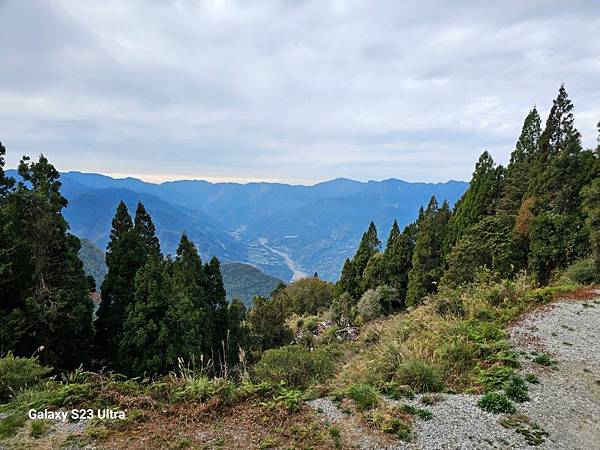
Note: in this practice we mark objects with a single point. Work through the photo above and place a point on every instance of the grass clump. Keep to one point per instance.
(431, 400)
(365, 395)
(532, 378)
(18, 373)
(295, 365)
(420, 376)
(397, 391)
(517, 390)
(386, 421)
(38, 428)
(421, 413)
(336, 436)
(496, 403)
(544, 359)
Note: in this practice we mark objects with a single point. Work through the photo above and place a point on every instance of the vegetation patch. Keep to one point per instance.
(531, 431)
(365, 395)
(496, 403)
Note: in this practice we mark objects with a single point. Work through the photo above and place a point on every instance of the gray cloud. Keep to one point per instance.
(298, 90)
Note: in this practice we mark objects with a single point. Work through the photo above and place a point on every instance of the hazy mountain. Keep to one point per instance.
(285, 230)
(244, 282)
(94, 262)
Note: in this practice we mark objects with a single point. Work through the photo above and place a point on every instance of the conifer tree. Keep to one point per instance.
(125, 255)
(145, 228)
(146, 344)
(216, 298)
(427, 260)
(189, 280)
(43, 290)
(479, 200)
(516, 180)
(368, 246)
(591, 207)
(558, 235)
(398, 259)
(237, 338)
(347, 281)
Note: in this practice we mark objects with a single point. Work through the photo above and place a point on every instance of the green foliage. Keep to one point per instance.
(531, 431)
(17, 373)
(420, 376)
(306, 296)
(583, 271)
(199, 388)
(296, 366)
(421, 413)
(398, 259)
(397, 391)
(427, 259)
(351, 280)
(532, 378)
(38, 428)
(377, 302)
(543, 359)
(44, 293)
(365, 395)
(342, 311)
(496, 403)
(266, 325)
(479, 200)
(489, 243)
(517, 390)
(591, 207)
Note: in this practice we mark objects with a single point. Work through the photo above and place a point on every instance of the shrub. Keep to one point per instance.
(368, 306)
(496, 403)
(196, 388)
(517, 390)
(419, 375)
(397, 391)
(580, 272)
(17, 373)
(365, 395)
(297, 366)
(38, 428)
(494, 378)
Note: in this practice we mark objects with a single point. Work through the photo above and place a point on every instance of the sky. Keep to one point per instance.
(292, 91)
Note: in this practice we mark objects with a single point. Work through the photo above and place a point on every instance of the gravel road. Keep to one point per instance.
(565, 404)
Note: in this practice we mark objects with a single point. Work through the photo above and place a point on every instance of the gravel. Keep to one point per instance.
(566, 403)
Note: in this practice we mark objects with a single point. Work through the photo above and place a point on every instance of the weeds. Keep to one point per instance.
(496, 403)
(365, 395)
(531, 431)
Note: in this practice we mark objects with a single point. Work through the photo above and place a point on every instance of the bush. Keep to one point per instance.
(17, 373)
(365, 395)
(496, 403)
(368, 306)
(580, 272)
(397, 391)
(419, 375)
(196, 388)
(296, 366)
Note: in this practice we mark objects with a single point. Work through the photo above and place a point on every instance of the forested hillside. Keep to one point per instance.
(423, 317)
(285, 230)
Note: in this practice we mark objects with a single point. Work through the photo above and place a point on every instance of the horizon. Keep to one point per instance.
(243, 183)
(292, 93)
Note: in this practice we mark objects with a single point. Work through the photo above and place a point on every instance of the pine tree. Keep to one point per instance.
(427, 260)
(479, 200)
(189, 281)
(516, 181)
(591, 207)
(145, 227)
(398, 259)
(368, 246)
(558, 235)
(44, 291)
(347, 281)
(125, 255)
(216, 298)
(146, 344)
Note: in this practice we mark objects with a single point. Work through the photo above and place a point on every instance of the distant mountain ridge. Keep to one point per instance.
(285, 230)
(244, 282)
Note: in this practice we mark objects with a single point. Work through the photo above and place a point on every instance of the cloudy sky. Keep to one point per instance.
(294, 91)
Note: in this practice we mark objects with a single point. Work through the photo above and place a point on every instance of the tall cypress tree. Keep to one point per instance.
(145, 228)
(558, 235)
(368, 246)
(398, 259)
(125, 255)
(190, 281)
(44, 291)
(347, 281)
(427, 260)
(479, 200)
(216, 297)
(518, 172)
(146, 344)
(238, 335)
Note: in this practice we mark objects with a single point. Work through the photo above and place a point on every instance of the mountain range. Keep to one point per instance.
(287, 231)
